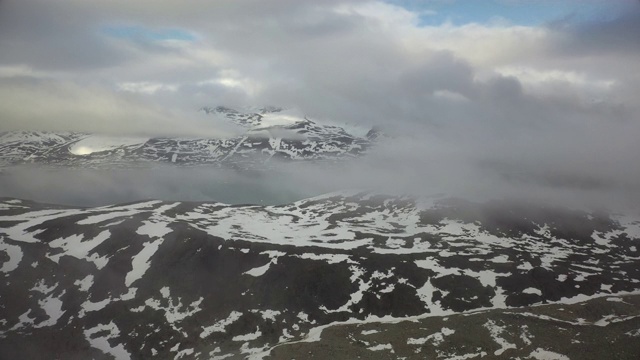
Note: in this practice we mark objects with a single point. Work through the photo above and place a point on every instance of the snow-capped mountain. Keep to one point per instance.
(271, 134)
(210, 280)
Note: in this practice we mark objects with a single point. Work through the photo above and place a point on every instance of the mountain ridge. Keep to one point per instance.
(267, 138)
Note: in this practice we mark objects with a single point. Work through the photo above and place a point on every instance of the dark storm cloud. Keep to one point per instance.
(609, 35)
(49, 36)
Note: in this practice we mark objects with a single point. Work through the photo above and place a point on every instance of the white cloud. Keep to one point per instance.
(386, 15)
(233, 79)
(534, 76)
(52, 105)
(146, 87)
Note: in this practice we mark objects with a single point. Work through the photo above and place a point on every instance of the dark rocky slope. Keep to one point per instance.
(205, 280)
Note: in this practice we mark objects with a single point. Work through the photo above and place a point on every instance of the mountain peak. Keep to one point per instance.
(271, 132)
(374, 134)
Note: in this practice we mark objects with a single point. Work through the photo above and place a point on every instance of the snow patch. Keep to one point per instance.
(221, 325)
(84, 284)
(98, 143)
(140, 262)
(369, 332)
(52, 306)
(436, 339)
(174, 311)
(76, 246)
(15, 256)
(259, 271)
(154, 229)
(102, 342)
(496, 331)
(380, 347)
(533, 291)
(634, 333)
(542, 354)
(248, 337)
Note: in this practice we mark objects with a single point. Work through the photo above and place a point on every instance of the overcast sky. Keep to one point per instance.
(540, 91)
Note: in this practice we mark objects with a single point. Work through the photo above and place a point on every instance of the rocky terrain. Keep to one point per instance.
(602, 328)
(353, 274)
(271, 134)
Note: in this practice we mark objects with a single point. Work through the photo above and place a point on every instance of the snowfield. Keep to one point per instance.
(95, 143)
(189, 280)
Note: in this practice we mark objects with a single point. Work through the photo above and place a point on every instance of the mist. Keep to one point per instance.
(99, 187)
(420, 167)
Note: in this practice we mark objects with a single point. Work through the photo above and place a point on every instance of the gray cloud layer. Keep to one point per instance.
(478, 108)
